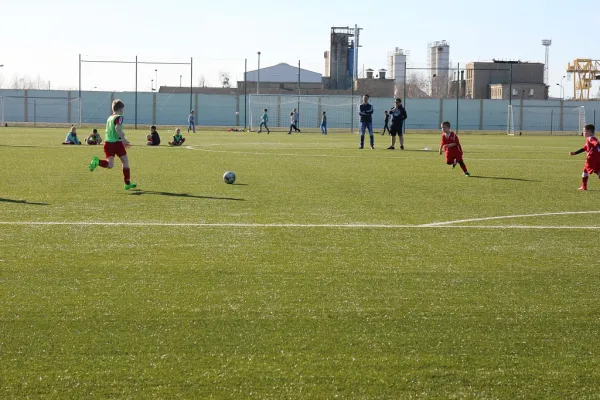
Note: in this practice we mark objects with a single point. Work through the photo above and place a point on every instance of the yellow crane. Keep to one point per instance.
(585, 71)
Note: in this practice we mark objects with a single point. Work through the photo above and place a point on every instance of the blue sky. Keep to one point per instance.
(44, 38)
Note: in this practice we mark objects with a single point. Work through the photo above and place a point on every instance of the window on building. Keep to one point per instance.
(515, 92)
(531, 92)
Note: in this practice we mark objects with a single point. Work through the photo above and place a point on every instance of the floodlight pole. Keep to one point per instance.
(245, 93)
(136, 92)
(298, 95)
(258, 75)
(191, 82)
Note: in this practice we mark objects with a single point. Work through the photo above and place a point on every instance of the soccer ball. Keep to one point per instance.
(229, 177)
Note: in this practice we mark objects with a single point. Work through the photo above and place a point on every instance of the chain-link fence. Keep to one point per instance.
(502, 97)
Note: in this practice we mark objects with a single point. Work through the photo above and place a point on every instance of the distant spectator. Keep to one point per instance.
(324, 124)
(293, 124)
(94, 138)
(153, 139)
(72, 137)
(296, 120)
(192, 122)
(178, 138)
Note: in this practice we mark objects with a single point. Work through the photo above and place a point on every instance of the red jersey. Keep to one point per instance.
(451, 138)
(592, 149)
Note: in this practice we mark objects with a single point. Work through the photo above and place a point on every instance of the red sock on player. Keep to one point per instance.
(126, 175)
(103, 163)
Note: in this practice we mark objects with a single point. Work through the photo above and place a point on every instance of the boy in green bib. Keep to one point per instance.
(115, 144)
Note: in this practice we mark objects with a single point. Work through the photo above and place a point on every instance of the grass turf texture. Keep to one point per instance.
(154, 311)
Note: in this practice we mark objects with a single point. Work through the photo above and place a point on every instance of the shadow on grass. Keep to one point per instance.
(503, 178)
(140, 192)
(2, 200)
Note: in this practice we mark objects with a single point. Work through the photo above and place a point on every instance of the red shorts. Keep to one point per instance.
(452, 155)
(112, 149)
(591, 169)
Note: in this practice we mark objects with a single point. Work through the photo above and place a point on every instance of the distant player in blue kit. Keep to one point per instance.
(324, 124)
(263, 122)
(192, 122)
(365, 110)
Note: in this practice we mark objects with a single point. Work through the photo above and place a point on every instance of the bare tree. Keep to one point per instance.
(224, 78)
(201, 81)
(416, 86)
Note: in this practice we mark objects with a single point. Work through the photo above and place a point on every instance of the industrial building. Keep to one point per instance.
(282, 77)
(341, 59)
(505, 80)
(438, 61)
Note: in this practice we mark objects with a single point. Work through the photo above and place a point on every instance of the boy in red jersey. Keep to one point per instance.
(451, 146)
(115, 144)
(592, 148)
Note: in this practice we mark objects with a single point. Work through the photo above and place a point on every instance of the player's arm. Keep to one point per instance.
(574, 153)
(121, 134)
(441, 146)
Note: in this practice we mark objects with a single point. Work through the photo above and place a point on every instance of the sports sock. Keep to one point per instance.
(462, 166)
(126, 175)
(103, 163)
(584, 181)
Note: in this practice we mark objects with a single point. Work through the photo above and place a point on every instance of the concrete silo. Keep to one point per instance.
(439, 68)
(397, 62)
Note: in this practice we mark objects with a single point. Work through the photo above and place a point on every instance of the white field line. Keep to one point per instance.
(459, 221)
(248, 225)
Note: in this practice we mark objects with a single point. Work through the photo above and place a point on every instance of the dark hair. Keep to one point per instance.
(117, 105)
(265, 110)
(446, 123)
(292, 113)
(153, 127)
(323, 112)
(398, 100)
(590, 127)
(94, 130)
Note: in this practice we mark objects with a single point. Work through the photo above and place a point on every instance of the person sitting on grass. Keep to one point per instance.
(153, 138)
(72, 137)
(94, 138)
(178, 138)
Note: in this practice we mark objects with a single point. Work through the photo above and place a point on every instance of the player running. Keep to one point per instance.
(452, 147)
(115, 144)
(592, 148)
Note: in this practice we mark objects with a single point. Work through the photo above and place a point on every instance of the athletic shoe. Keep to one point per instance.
(372, 147)
(582, 188)
(94, 163)
(361, 147)
(467, 174)
(132, 185)
(391, 148)
(401, 147)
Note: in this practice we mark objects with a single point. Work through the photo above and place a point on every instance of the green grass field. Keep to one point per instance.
(324, 272)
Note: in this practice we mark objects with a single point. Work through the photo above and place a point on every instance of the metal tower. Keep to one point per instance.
(546, 43)
(586, 71)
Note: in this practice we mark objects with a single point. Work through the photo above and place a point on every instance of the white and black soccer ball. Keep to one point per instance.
(229, 177)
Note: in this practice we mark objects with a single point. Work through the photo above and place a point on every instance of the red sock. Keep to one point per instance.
(463, 166)
(584, 181)
(126, 175)
(103, 163)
